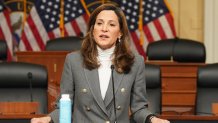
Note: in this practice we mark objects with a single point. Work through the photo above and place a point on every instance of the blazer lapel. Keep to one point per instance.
(93, 82)
(109, 94)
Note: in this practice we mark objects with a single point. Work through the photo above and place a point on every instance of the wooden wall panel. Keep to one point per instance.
(189, 18)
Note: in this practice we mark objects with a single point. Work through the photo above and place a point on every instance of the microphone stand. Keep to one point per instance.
(115, 113)
(30, 76)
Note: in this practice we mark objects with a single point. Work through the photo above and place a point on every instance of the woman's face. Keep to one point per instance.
(106, 29)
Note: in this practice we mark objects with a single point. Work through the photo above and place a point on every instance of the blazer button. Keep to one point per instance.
(88, 108)
(118, 107)
(84, 90)
(122, 90)
(107, 122)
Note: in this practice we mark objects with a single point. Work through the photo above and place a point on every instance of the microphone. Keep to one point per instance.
(115, 113)
(30, 77)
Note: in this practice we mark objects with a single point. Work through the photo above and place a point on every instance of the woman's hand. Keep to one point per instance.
(46, 119)
(158, 120)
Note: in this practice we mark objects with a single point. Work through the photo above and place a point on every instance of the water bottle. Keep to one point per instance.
(65, 109)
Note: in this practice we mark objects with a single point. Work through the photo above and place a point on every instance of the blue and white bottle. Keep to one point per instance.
(65, 109)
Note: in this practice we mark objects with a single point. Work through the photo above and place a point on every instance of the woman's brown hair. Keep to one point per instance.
(123, 57)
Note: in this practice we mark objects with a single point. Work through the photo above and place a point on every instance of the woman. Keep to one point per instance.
(87, 75)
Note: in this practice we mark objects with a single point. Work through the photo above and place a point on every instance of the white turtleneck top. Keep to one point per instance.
(104, 71)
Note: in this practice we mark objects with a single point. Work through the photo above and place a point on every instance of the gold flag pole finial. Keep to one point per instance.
(61, 25)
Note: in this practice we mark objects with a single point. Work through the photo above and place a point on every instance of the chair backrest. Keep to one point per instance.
(70, 43)
(186, 50)
(15, 83)
(160, 50)
(177, 49)
(3, 50)
(207, 88)
(153, 87)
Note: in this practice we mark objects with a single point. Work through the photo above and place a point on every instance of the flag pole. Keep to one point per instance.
(85, 7)
(24, 13)
(140, 25)
(61, 25)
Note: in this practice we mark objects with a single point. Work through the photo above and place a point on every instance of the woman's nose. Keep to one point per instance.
(104, 28)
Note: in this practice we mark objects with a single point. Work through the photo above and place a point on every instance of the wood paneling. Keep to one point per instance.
(19, 108)
(189, 18)
(178, 86)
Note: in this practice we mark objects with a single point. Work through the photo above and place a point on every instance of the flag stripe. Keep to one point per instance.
(69, 29)
(7, 33)
(9, 36)
(171, 23)
(86, 18)
(148, 33)
(154, 32)
(26, 43)
(165, 25)
(57, 32)
(159, 29)
(36, 34)
(76, 27)
(51, 35)
(1, 33)
(65, 32)
(40, 28)
(81, 24)
(22, 47)
(30, 37)
(137, 44)
(145, 42)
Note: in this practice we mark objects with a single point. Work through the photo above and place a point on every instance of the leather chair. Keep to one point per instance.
(70, 43)
(207, 88)
(186, 50)
(160, 50)
(3, 50)
(153, 87)
(177, 49)
(15, 80)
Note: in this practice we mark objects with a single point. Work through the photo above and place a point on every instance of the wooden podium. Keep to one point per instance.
(179, 86)
(215, 108)
(54, 62)
(19, 108)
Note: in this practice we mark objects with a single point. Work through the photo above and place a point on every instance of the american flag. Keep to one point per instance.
(157, 22)
(44, 19)
(6, 30)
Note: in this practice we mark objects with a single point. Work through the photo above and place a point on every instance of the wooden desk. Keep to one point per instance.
(190, 118)
(18, 118)
(178, 86)
(26, 116)
(54, 62)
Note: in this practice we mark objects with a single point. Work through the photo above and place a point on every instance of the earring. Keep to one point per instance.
(119, 39)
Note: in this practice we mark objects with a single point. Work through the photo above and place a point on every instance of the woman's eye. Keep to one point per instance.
(112, 24)
(99, 23)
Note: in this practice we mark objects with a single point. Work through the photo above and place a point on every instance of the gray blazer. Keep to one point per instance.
(89, 107)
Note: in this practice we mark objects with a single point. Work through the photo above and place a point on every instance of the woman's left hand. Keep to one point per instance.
(158, 120)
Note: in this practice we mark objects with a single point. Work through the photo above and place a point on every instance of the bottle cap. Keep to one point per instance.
(65, 96)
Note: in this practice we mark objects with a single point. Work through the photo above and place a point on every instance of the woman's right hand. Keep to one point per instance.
(46, 119)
